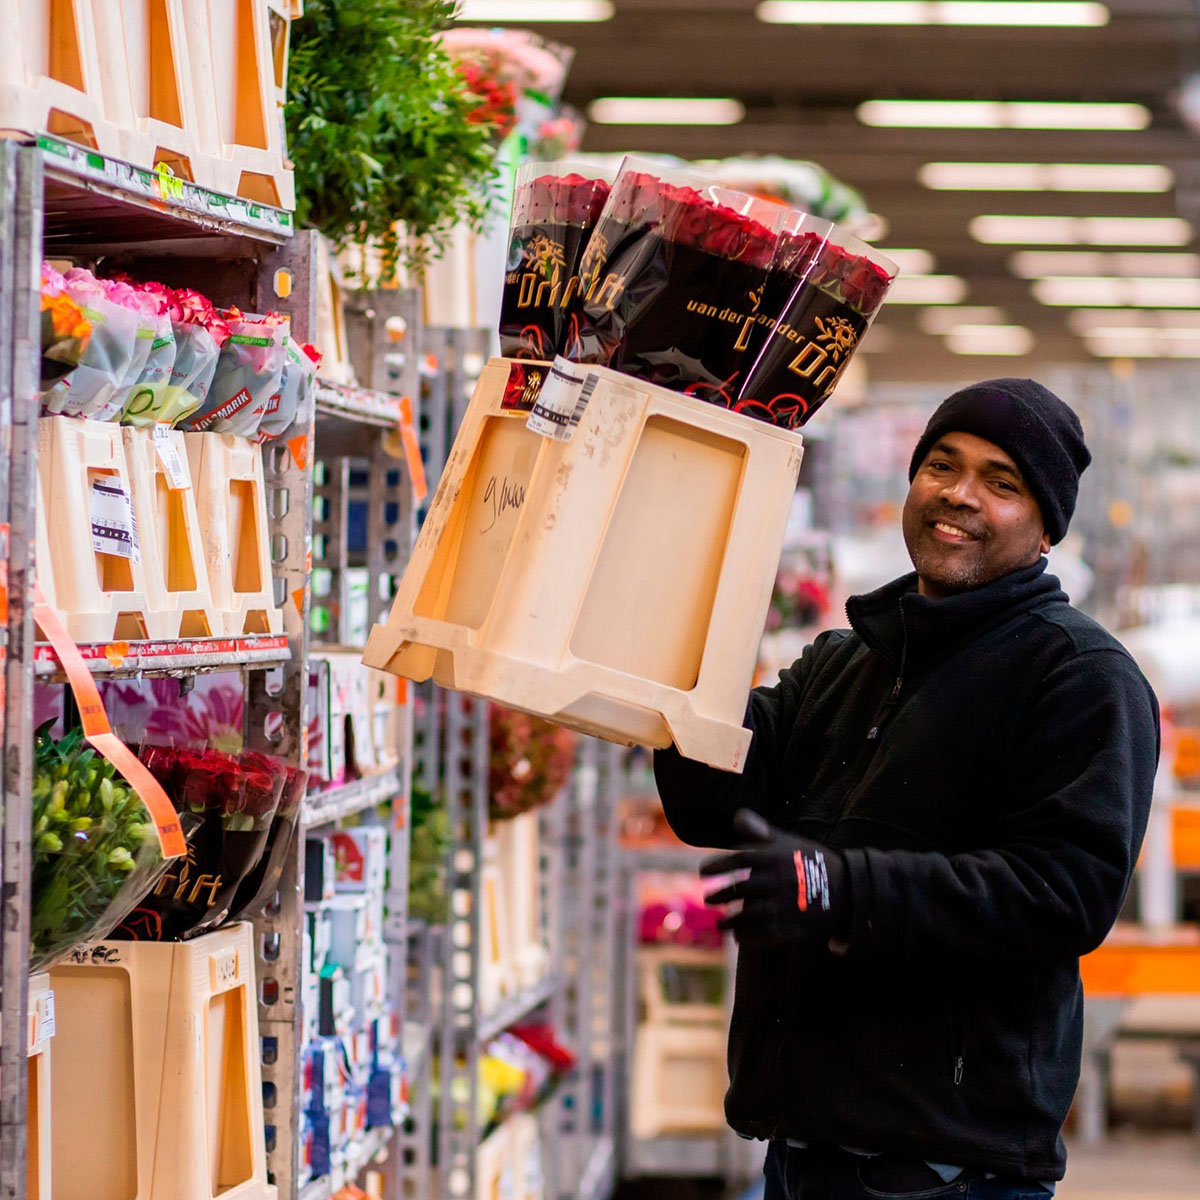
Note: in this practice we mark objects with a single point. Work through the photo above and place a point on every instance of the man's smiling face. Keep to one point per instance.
(970, 517)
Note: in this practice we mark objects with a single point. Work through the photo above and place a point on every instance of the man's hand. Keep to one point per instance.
(790, 888)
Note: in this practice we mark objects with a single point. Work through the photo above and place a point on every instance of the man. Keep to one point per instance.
(941, 812)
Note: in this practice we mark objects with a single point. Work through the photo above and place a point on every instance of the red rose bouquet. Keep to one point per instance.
(674, 276)
(227, 805)
(555, 210)
(822, 292)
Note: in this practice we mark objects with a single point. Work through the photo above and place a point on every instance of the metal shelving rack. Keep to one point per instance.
(58, 200)
(361, 482)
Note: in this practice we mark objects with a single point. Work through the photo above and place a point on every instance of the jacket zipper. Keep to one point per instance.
(960, 1043)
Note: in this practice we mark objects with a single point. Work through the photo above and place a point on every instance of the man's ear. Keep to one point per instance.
(1045, 543)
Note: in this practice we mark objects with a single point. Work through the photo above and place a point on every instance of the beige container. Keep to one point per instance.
(38, 1126)
(495, 1165)
(497, 974)
(616, 583)
(153, 97)
(529, 1181)
(234, 67)
(227, 477)
(52, 75)
(518, 848)
(98, 596)
(172, 551)
(679, 1072)
(157, 1063)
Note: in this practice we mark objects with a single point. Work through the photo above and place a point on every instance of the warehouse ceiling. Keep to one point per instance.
(801, 86)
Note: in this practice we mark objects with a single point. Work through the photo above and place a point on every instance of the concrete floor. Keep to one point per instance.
(1134, 1165)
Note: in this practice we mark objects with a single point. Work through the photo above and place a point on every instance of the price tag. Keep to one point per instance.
(114, 527)
(562, 400)
(169, 456)
(46, 1015)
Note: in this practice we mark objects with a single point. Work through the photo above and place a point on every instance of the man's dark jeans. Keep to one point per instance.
(823, 1173)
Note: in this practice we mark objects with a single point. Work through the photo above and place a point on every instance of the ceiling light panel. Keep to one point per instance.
(997, 114)
(1046, 177)
(1095, 321)
(666, 110)
(998, 229)
(911, 262)
(990, 339)
(927, 289)
(1055, 13)
(1035, 264)
(943, 320)
(1109, 292)
(512, 12)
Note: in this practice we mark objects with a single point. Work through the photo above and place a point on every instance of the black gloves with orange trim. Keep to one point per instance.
(785, 889)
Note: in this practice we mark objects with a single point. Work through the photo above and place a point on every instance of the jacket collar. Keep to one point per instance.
(914, 632)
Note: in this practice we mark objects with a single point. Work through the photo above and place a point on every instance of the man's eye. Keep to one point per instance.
(1005, 486)
(939, 466)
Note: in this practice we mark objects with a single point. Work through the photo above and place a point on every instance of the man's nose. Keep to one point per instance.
(961, 492)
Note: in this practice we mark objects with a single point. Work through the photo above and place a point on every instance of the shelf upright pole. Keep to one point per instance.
(277, 718)
(20, 256)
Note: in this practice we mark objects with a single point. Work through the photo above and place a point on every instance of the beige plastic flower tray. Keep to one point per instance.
(616, 583)
(195, 84)
(157, 1072)
(38, 1126)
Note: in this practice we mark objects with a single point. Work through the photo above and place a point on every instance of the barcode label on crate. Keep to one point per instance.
(114, 527)
(45, 1006)
(562, 400)
(169, 456)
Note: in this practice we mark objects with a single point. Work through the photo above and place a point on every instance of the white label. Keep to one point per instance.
(114, 528)
(560, 404)
(225, 968)
(168, 455)
(46, 1015)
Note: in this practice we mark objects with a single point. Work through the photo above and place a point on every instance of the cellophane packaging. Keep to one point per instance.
(227, 805)
(95, 853)
(555, 210)
(247, 376)
(89, 390)
(675, 272)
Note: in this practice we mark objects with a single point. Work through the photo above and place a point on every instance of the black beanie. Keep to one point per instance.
(1033, 426)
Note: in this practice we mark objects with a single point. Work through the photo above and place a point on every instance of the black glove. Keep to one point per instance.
(796, 889)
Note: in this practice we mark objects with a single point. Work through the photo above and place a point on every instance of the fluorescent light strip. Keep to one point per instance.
(1142, 347)
(997, 229)
(666, 110)
(911, 262)
(1092, 321)
(944, 320)
(1110, 292)
(1059, 13)
(1046, 177)
(512, 12)
(999, 114)
(1037, 264)
(927, 289)
(990, 339)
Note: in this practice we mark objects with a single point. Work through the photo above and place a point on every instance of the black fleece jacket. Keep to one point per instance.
(985, 762)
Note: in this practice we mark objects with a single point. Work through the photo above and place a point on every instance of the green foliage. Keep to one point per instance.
(378, 124)
(90, 833)
(427, 900)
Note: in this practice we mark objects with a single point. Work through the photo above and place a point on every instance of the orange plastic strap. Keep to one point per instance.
(412, 450)
(299, 448)
(99, 733)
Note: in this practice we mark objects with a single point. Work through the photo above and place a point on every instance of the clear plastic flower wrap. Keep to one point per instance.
(226, 806)
(147, 400)
(822, 293)
(555, 210)
(248, 374)
(674, 276)
(261, 883)
(293, 401)
(89, 389)
(65, 330)
(95, 852)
